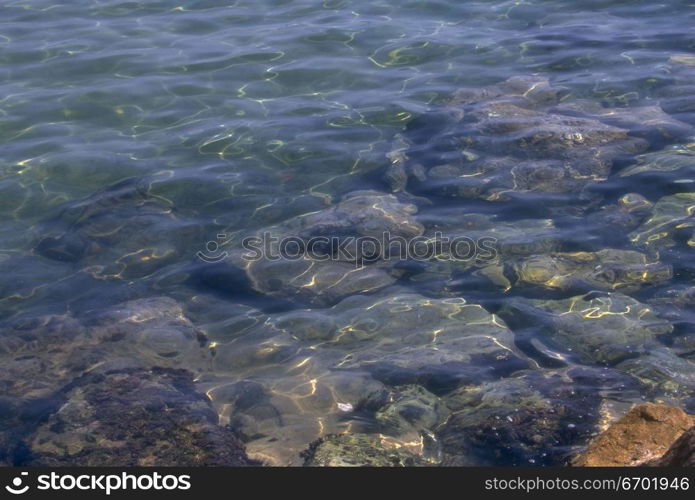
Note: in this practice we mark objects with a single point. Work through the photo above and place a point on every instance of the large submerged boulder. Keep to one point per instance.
(104, 388)
(371, 364)
(672, 215)
(121, 232)
(596, 328)
(437, 343)
(530, 419)
(511, 138)
(608, 269)
(135, 418)
(325, 261)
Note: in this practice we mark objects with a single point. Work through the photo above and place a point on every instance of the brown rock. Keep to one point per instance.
(643, 434)
(680, 454)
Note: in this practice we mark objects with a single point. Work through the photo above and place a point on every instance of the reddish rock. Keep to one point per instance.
(643, 435)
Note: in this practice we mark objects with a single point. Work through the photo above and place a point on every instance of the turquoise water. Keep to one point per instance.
(136, 135)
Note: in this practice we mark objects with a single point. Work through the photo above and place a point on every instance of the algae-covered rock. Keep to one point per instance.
(134, 418)
(529, 419)
(357, 450)
(604, 329)
(410, 410)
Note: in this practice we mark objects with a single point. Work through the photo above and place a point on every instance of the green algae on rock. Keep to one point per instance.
(357, 450)
(135, 418)
(104, 388)
(521, 420)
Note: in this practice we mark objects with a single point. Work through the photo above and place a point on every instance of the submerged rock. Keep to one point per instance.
(122, 232)
(678, 296)
(408, 407)
(370, 364)
(647, 121)
(677, 97)
(604, 329)
(333, 270)
(526, 133)
(529, 419)
(278, 417)
(674, 158)
(627, 214)
(663, 372)
(357, 450)
(108, 376)
(608, 269)
(531, 89)
(480, 244)
(677, 303)
(134, 418)
(42, 353)
(671, 216)
(437, 343)
(646, 432)
(535, 148)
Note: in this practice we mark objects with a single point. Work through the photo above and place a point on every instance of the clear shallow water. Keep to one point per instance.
(144, 131)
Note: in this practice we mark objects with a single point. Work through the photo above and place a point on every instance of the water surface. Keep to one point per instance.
(136, 135)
